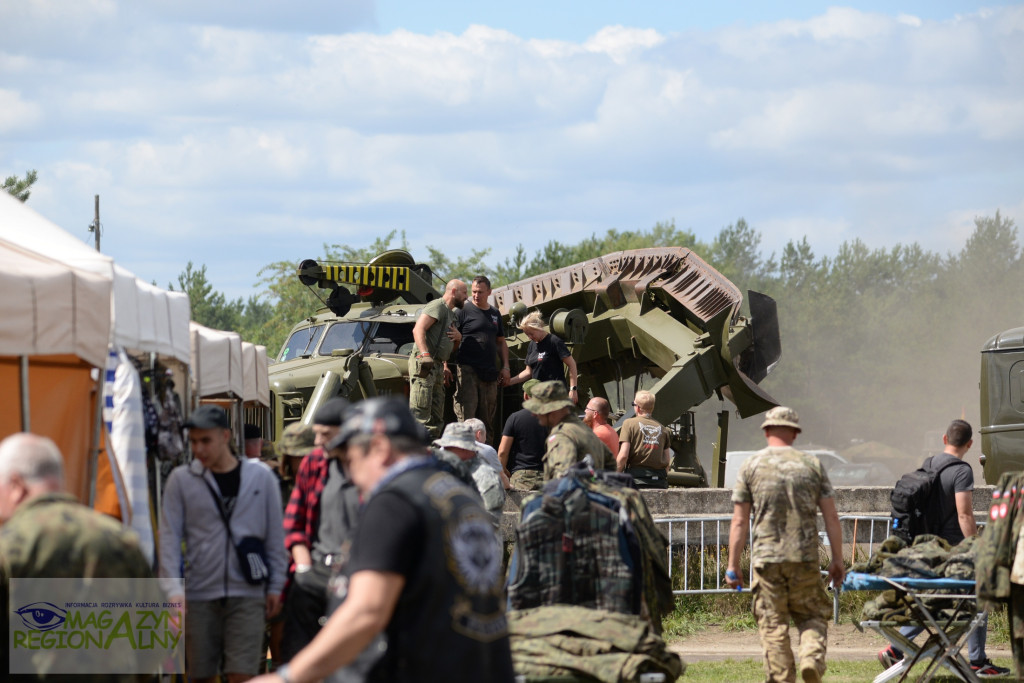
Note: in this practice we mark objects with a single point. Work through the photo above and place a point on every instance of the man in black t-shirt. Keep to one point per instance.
(483, 341)
(522, 446)
(424, 567)
(951, 513)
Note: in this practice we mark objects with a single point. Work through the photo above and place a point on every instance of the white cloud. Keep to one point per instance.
(199, 125)
(15, 113)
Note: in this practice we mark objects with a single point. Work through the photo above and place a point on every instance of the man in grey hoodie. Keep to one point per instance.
(224, 612)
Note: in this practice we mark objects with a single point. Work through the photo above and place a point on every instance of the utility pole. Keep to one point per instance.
(94, 227)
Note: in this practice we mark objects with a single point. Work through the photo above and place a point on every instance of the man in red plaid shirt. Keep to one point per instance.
(324, 493)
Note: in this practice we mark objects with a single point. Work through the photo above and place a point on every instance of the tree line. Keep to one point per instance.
(877, 344)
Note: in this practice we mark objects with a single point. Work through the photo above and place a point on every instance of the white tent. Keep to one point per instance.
(145, 318)
(216, 363)
(256, 375)
(133, 315)
(148, 318)
(50, 308)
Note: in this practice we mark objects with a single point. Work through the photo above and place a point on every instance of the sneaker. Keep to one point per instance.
(987, 669)
(888, 657)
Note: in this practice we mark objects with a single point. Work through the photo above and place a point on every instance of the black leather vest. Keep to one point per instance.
(449, 623)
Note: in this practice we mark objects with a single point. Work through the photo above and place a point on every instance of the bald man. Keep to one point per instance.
(595, 416)
(436, 338)
(48, 534)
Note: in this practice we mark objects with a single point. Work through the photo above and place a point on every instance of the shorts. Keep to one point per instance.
(228, 627)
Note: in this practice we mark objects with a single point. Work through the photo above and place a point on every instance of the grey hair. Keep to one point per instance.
(32, 457)
(476, 424)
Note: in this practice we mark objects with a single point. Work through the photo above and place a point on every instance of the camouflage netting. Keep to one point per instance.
(928, 557)
(588, 645)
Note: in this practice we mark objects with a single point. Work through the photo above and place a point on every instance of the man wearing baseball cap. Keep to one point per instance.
(785, 488)
(424, 567)
(522, 446)
(320, 517)
(212, 504)
(569, 440)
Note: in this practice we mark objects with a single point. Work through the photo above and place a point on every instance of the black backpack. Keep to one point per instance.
(911, 500)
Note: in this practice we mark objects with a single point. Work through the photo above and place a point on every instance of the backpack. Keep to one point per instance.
(911, 500)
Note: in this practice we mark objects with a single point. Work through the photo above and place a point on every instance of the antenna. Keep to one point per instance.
(94, 227)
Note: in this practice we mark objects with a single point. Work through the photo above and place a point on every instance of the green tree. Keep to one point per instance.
(20, 187)
(209, 308)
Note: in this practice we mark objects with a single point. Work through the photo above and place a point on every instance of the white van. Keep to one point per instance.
(830, 460)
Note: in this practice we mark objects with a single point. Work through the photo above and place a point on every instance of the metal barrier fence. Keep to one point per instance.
(699, 548)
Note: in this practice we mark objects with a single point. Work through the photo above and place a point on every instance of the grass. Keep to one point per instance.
(838, 671)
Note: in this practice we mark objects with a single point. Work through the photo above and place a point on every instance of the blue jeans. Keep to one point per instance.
(975, 643)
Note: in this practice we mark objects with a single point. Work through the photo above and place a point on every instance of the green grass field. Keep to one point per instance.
(731, 671)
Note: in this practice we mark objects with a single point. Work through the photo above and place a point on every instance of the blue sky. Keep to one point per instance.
(241, 132)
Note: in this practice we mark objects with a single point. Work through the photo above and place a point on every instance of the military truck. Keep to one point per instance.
(1002, 404)
(659, 319)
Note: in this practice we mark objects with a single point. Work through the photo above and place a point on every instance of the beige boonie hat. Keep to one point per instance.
(548, 397)
(297, 439)
(781, 416)
(458, 435)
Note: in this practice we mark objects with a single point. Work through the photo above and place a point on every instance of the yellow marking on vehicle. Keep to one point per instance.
(385, 277)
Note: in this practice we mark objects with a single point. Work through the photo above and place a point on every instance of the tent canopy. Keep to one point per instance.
(148, 318)
(216, 362)
(144, 317)
(256, 371)
(50, 308)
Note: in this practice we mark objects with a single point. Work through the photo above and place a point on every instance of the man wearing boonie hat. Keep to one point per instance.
(569, 440)
(459, 439)
(785, 488)
(320, 518)
(522, 446)
(424, 567)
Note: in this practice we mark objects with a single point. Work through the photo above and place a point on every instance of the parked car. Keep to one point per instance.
(841, 472)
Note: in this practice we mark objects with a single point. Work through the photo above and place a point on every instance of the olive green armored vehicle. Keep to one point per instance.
(659, 319)
(1002, 404)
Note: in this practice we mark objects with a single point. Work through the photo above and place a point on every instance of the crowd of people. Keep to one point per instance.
(371, 550)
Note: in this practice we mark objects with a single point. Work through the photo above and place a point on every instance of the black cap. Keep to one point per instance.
(331, 413)
(386, 416)
(208, 416)
(252, 431)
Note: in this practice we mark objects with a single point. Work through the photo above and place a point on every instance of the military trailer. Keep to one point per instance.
(659, 319)
(1002, 404)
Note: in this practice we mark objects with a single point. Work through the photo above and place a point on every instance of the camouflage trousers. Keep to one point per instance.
(527, 480)
(785, 590)
(426, 397)
(475, 398)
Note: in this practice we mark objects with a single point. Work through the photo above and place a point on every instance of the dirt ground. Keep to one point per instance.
(845, 642)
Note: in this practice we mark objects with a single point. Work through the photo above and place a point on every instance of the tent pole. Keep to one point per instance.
(98, 424)
(26, 422)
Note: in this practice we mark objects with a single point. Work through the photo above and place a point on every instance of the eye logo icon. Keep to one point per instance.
(41, 616)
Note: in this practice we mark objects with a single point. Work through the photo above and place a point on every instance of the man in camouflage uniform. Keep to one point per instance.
(785, 488)
(459, 440)
(435, 337)
(569, 440)
(48, 534)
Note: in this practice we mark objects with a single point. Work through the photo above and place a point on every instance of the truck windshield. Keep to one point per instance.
(301, 343)
(346, 335)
